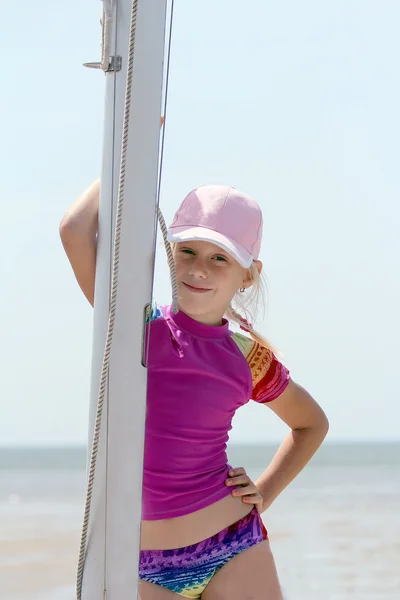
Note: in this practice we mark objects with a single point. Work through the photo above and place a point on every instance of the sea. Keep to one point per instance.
(334, 532)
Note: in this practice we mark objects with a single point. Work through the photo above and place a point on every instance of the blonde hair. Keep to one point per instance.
(248, 302)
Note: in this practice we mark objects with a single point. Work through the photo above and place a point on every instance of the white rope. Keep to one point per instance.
(105, 54)
(171, 263)
(163, 227)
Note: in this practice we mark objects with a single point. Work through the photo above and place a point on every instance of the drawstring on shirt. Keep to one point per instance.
(176, 344)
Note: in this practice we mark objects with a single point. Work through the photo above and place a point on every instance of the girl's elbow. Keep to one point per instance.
(66, 226)
(323, 425)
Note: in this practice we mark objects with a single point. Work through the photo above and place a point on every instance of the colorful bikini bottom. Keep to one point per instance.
(187, 571)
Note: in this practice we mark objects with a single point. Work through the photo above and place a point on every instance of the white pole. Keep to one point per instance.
(111, 563)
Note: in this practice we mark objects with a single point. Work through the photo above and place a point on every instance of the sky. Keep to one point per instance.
(294, 103)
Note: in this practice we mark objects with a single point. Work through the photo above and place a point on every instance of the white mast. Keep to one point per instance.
(111, 561)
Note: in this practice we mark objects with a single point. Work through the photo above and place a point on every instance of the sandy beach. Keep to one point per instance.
(334, 534)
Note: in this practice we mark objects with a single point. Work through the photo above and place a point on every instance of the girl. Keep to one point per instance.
(202, 534)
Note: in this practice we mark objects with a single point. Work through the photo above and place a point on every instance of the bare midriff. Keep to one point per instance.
(167, 534)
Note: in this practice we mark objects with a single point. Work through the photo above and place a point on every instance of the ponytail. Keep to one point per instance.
(250, 299)
(245, 325)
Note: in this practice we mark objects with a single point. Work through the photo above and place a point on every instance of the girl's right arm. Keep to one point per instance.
(78, 232)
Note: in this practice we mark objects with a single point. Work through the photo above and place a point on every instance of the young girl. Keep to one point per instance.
(202, 534)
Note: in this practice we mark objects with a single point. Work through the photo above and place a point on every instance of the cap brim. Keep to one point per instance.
(203, 234)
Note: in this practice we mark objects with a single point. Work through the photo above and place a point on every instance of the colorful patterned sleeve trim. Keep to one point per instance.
(153, 312)
(269, 376)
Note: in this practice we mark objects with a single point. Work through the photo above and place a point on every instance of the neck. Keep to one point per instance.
(214, 319)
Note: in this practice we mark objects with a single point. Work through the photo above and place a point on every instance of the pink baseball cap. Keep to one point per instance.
(223, 216)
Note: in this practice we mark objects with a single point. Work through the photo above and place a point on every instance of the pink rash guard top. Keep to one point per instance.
(198, 376)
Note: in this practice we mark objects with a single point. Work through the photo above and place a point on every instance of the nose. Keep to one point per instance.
(198, 268)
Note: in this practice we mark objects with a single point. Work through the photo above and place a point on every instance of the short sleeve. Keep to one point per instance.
(269, 376)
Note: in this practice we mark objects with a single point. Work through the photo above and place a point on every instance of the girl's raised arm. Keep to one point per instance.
(78, 232)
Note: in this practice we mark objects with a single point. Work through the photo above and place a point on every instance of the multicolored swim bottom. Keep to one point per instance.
(187, 571)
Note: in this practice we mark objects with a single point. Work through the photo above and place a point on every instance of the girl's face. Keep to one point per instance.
(208, 278)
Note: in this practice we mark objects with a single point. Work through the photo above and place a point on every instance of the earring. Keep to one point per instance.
(241, 290)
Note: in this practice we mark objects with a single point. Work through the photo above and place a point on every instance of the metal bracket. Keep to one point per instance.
(114, 64)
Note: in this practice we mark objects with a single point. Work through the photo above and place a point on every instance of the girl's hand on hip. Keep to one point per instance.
(247, 490)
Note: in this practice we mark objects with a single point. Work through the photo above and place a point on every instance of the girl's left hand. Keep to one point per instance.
(247, 490)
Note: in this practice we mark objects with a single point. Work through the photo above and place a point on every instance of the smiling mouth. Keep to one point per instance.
(197, 290)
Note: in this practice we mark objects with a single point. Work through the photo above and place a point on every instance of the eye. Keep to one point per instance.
(186, 251)
(220, 258)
